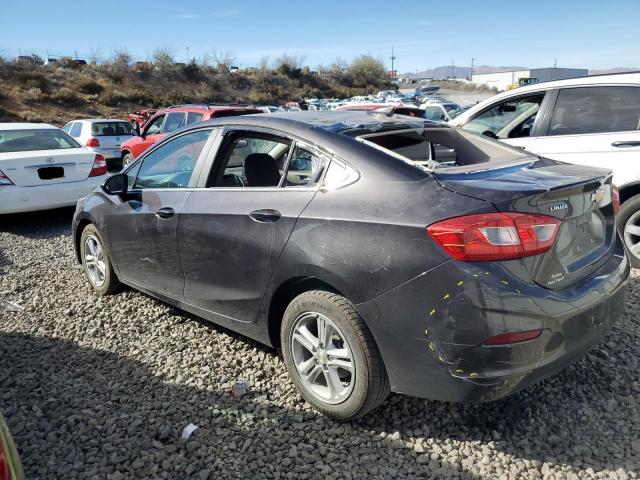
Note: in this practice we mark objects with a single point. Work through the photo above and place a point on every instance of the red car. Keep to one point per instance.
(139, 118)
(166, 120)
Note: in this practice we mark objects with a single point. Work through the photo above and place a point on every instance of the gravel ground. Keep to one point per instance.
(103, 389)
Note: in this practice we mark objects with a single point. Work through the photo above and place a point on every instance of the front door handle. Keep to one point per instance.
(165, 212)
(265, 215)
(627, 144)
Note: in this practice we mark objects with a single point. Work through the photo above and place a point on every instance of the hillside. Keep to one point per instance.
(57, 94)
(446, 71)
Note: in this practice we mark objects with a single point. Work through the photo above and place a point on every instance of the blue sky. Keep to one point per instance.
(425, 33)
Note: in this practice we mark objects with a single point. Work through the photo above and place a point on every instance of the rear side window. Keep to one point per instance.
(76, 130)
(305, 167)
(193, 117)
(596, 110)
(67, 127)
(110, 129)
(174, 121)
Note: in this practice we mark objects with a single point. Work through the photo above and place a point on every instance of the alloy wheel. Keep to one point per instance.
(323, 358)
(632, 234)
(94, 262)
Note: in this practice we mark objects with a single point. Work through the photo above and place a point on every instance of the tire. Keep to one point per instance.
(629, 227)
(358, 391)
(127, 160)
(103, 280)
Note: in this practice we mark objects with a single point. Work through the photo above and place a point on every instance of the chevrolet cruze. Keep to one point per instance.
(377, 252)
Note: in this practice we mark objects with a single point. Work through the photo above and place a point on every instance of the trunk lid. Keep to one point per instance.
(581, 197)
(46, 167)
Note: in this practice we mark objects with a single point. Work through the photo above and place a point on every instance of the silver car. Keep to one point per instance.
(101, 135)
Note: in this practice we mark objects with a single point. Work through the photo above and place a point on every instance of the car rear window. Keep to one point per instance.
(35, 139)
(110, 129)
(435, 146)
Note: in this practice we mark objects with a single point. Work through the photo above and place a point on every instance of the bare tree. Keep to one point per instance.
(263, 63)
(121, 57)
(95, 56)
(227, 58)
(163, 58)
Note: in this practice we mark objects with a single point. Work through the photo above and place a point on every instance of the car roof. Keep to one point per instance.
(204, 108)
(25, 126)
(335, 121)
(96, 120)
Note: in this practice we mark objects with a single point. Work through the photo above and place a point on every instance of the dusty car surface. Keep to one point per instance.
(341, 239)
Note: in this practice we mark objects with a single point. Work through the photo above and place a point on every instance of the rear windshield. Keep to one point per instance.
(35, 139)
(110, 129)
(434, 146)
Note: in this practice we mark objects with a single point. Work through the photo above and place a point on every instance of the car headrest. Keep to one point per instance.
(260, 170)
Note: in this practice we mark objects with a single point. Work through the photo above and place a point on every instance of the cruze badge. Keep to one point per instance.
(558, 206)
(49, 160)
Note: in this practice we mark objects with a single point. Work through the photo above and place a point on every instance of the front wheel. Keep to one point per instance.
(331, 356)
(96, 262)
(629, 227)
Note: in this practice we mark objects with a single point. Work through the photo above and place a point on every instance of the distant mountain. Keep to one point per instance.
(439, 73)
(614, 70)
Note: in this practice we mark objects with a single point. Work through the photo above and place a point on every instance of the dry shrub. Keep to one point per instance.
(89, 86)
(64, 96)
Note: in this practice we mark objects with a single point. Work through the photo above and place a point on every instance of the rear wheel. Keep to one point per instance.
(331, 356)
(629, 227)
(127, 160)
(96, 262)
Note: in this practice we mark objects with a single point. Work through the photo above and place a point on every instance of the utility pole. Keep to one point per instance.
(471, 72)
(555, 63)
(393, 59)
(188, 60)
(451, 76)
(76, 52)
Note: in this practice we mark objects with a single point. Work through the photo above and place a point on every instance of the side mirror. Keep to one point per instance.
(116, 184)
(135, 131)
(442, 117)
(490, 134)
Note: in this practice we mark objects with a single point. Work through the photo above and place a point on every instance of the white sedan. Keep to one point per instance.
(41, 167)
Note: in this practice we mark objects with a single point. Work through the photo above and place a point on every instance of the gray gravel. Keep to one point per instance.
(103, 389)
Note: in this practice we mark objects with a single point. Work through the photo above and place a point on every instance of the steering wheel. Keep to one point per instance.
(185, 163)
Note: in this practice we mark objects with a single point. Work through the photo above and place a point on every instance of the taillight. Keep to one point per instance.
(616, 199)
(4, 180)
(495, 236)
(93, 142)
(512, 337)
(99, 167)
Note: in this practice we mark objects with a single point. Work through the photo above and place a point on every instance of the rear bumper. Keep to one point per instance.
(14, 199)
(430, 329)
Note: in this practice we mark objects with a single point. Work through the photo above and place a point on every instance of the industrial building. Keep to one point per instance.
(504, 80)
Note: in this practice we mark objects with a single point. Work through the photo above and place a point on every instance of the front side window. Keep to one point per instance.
(305, 167)
(596, 110)
(252, 161)
(171, 165)
(453, 109)
(174, 121)
(35, 139)
(76, 130)
(509, 119)
(155, 125)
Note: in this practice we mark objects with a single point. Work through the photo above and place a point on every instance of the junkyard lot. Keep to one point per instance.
(103, 388)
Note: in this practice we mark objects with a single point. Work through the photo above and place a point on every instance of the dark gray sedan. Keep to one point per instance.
(378, 252)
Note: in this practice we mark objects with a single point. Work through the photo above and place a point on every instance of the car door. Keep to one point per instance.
(143, 223)
(232, 232)
(151, 133)
(514, 120)
(596, 126)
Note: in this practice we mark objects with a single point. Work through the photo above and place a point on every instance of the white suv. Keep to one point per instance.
(588, 120)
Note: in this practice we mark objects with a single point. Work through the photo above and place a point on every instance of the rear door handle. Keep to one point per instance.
(165, 212)
(627, 144)
(265, 215)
